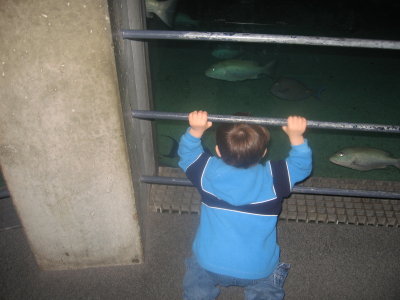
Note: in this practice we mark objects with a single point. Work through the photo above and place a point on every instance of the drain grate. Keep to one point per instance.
(299, 207)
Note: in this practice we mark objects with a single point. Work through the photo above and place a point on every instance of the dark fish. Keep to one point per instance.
(292, 89)
(174, 148)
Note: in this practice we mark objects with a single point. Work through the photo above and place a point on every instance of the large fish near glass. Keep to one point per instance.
(364, 158)
(293, 90)
(239, 70)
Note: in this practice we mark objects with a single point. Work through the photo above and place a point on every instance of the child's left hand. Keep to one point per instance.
(198, 121)
(295, 128)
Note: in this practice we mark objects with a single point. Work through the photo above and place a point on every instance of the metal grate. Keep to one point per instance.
(298, 207)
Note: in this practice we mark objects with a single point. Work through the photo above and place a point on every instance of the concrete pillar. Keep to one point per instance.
(62, 146)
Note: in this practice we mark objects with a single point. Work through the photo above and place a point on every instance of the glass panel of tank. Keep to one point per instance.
(271, 80)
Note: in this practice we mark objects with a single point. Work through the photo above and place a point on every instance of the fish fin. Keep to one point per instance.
(317, 93)
(174, 148)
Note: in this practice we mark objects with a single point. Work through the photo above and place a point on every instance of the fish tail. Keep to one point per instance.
(318, 93)
(397, 163)
(166, 11)
(270, 68)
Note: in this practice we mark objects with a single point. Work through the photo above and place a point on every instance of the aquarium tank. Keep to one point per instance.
(335, 84)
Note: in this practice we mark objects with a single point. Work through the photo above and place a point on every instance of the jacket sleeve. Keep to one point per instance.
(299, 163)
(189, 150)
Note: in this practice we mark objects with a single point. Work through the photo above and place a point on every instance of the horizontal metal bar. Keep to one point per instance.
(150, 114)
(297, 189)
(4, 193)
(10, 228)
(259, 38)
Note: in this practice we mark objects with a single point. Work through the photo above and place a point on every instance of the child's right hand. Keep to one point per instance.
(198, 121)
(295, 128)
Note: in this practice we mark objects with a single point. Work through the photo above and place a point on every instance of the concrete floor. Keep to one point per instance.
(328, 262)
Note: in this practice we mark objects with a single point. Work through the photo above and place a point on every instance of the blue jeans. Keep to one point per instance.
(200, 284)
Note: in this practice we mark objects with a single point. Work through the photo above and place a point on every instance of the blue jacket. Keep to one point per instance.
(240, 208)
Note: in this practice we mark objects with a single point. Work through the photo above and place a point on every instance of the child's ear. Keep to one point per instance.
(217, 151)
(265, 152)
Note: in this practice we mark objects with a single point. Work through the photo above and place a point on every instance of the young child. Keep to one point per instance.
(235, 243)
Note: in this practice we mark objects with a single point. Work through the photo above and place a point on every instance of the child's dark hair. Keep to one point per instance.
(242, 145)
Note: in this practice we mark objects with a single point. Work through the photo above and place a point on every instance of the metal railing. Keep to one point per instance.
(151, 114)
(4, 193)
(259, 38)
(297, 189)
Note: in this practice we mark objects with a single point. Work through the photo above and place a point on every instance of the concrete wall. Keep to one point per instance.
(62, 145)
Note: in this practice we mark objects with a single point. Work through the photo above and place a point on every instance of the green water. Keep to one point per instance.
(359, 85)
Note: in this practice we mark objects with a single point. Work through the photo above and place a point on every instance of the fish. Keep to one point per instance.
(174, 148)
(226, 52)
(165, 10)
(292, 89)
(182, 19)
(238, 70)
(364, 158)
